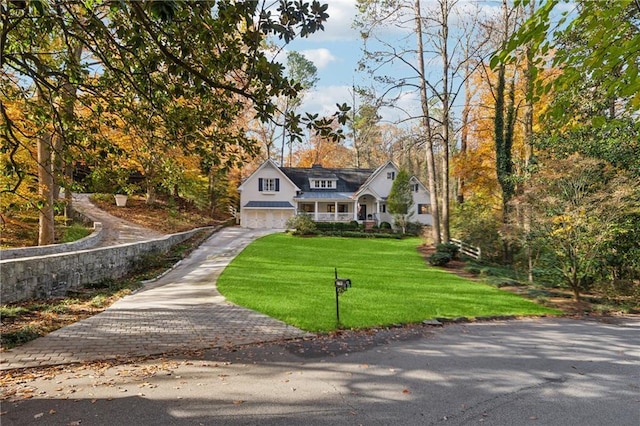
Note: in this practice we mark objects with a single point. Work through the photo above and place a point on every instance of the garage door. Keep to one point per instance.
(271, 219)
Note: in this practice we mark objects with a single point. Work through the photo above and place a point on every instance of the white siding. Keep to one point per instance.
(421, 197)
(263, 217)
(250, 190)
(380, 184)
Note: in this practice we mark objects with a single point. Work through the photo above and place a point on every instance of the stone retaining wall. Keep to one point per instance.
(55, 274)
(90, 241)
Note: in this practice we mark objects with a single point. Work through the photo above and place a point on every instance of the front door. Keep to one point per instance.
(362, 213)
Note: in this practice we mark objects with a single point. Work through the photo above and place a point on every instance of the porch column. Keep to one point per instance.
(315, 212)
(355, 210)
(335, 211)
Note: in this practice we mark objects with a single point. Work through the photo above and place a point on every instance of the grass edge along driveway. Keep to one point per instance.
(292, 279)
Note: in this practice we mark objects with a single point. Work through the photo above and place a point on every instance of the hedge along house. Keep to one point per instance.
(273, 194)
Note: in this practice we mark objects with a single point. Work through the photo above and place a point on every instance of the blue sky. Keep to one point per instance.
(335, 52)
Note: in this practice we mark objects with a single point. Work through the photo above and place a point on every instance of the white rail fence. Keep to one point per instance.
(467, 249)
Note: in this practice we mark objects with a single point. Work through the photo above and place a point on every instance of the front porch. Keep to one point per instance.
(324, 211)
(366, 209)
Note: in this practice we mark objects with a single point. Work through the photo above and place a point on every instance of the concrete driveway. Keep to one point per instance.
(181, 311)
(550, 371)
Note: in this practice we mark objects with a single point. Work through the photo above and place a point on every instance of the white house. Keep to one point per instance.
(272, 194)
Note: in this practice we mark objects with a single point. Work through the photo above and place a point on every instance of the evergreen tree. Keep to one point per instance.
(400, 199)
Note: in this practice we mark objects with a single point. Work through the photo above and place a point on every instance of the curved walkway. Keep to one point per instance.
(181, 311)
(117, 231)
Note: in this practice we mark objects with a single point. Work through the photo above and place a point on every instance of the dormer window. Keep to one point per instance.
(391, 175)
(323, 184)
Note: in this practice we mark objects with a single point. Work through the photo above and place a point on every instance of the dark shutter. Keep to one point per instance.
(260, 184)
(277, 184)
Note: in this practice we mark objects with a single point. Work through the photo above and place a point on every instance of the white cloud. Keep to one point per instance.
(323, 99)
(338, 26)
(321, 58)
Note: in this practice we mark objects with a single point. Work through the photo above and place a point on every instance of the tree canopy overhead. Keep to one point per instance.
(80, 76)
(598, 40)
(152, 51)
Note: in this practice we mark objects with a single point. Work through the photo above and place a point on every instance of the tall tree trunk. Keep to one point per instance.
(46, 225)
(499, 130)
(151, 195)
(444, 8)
(62, 168)
(528, 140)
(57, 164)
(503, 129)
(356, 139)
(464, 133)
(426, 120)
(284, 133)
(212, 192)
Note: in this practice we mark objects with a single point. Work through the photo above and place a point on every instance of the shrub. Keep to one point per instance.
(303, 224)
(385, 225)
(361, 234)
(477, 224)
(449, 248)
(475, 270)
(439, 259)
(337, 226)
(414, 228)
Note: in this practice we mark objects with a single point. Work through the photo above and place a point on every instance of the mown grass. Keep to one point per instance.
(292, 279)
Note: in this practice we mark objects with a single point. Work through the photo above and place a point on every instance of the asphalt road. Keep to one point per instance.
(546, 371)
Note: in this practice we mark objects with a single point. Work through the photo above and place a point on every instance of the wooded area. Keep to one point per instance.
(527, 133)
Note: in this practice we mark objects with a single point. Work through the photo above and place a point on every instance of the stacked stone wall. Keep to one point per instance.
(54, 275)
(90, 241)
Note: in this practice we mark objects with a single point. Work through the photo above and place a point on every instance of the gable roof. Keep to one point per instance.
(374, 174)
(347, 180)
(414, 178)
(350, 182)
(271, 163)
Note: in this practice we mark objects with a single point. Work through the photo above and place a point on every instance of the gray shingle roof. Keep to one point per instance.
(348, 180)
(268, 205)
(324, 195)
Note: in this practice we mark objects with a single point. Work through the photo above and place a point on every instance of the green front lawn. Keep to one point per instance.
(292, 279)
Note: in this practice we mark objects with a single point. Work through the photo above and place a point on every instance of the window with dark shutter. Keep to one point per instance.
(268, 185)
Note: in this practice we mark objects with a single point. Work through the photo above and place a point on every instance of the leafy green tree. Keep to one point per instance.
(593, 91)
(145, 56)
(580, 208)
(366, 134)
(614, 141)
(400, 199)
(598, 39)
(303, 72)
